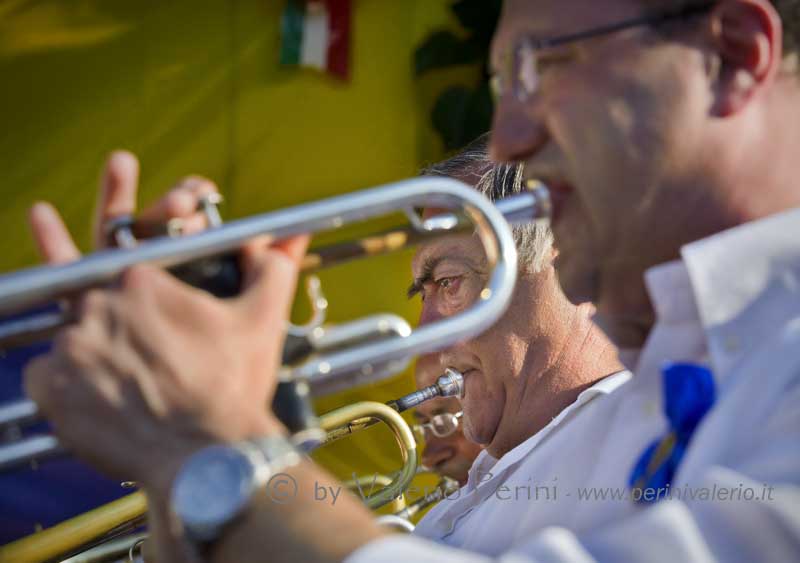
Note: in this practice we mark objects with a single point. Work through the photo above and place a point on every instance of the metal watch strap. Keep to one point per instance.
(278, 451)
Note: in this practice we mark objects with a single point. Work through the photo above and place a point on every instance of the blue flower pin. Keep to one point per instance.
(688, 395)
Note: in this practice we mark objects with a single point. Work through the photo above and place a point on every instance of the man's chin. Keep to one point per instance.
(478, 434)
(456, 469)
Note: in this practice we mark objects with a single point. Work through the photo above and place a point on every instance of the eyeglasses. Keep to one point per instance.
(440, 425)
(521, 66)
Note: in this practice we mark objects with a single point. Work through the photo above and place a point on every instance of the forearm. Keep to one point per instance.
(166, 542)
(285, 526)
(298, 528)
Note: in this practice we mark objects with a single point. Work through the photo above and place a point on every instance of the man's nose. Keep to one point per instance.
(517, 131)
(429, 314)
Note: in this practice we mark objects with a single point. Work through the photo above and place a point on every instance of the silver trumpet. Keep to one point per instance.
(307, 371)
(353, 356)
(314, 370)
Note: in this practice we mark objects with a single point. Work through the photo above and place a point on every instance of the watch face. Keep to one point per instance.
(212, 488)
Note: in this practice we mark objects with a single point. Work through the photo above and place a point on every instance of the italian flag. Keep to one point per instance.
(316, 34)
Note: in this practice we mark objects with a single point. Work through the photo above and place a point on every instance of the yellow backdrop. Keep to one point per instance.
(195, 87)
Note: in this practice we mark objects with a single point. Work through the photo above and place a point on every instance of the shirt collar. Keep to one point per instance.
(485, 463)
(740, 285)
(670, 290)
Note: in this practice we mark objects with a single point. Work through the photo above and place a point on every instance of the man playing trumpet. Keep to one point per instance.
(543, 358)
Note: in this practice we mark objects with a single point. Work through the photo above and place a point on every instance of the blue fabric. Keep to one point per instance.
(59, 488)
(689, 394)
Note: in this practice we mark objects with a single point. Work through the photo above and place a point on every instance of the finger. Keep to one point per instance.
(52, 238)
(117, 195)
(182, 202)
(295, 247)
(45, 381)
(35, 380)
(270, 276)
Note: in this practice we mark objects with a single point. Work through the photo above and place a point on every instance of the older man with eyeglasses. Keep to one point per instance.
(446, 450)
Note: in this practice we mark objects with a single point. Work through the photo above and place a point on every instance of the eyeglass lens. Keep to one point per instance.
(525, 72)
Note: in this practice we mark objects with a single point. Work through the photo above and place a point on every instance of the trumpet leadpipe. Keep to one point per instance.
(451, 384)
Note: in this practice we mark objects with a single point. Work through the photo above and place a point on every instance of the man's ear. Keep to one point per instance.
(747, 38)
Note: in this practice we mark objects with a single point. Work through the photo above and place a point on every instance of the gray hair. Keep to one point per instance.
(496, 181)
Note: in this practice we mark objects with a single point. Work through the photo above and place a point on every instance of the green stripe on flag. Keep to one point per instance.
(292, 32)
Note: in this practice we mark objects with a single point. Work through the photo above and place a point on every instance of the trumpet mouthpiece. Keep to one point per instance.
(451, 384)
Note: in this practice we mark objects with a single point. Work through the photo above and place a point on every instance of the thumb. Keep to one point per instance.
(52, 238)
(270, 278)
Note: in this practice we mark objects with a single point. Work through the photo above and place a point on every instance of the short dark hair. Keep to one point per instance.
(788, 10)
(496, 181)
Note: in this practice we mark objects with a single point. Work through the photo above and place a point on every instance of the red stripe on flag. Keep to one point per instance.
(339, 42)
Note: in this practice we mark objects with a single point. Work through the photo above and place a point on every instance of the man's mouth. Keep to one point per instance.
(559, 190)
(465, 373)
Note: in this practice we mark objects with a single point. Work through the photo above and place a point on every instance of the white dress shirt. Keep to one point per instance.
(460, 520)
(733, 304)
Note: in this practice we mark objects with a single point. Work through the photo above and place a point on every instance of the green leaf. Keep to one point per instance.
(479, 17)
(460, 115)
(478, 118)
(449, 116)
(442, 49)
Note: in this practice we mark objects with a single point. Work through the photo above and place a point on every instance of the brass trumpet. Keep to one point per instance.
(451, 384)
(362, 415)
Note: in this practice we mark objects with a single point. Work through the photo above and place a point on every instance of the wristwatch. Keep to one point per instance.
(216, 484)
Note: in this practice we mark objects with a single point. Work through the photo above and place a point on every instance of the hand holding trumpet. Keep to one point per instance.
(145, 357)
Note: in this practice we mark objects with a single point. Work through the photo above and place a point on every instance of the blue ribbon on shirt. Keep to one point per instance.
(688, 395)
